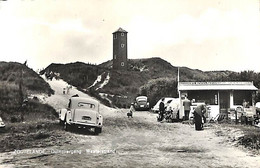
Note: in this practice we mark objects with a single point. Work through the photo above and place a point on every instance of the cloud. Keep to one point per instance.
(214, 35)
(178, 31)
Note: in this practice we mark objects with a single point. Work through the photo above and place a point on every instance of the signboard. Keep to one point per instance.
(215, 83)
(216, 99)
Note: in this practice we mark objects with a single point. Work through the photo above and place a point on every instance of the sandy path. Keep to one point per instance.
(60, 100)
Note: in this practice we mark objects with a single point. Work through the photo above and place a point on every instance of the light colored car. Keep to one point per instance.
(82, 113)
(141, 103)
(257, 106)
(169, 102)
(2, 124)
(173, 107)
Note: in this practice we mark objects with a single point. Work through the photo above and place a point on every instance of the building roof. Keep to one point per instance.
(216, 86)
(120, 30)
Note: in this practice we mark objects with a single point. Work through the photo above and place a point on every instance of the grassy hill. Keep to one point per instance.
(17, 81)
(153, 77)
(27, 123)
(13, 73)
(77, 74)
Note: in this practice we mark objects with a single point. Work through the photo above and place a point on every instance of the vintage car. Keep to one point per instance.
(141, 103)
(2, 124)
(169, 102)
(257, 106)
(82, 113)
(171, 109)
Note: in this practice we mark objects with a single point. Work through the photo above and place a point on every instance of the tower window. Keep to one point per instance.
(122, 64)
(122, 34)
(115, 36)
(122, 45)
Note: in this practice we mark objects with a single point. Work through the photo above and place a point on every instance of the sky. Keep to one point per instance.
(199, 34)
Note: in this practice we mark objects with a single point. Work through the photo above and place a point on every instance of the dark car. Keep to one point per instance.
(141, 103)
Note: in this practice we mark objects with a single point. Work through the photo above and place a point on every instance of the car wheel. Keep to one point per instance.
(61, 122)
(98, 130)
(66, 126)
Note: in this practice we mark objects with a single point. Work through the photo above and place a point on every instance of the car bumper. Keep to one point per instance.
(142, 107)
(85, 126)
(2, 128)
(2, 125)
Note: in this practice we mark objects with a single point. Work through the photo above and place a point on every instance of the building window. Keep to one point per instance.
(122, 64)
(122, 34)
(122, 45)
(241, 95)
(115, 36)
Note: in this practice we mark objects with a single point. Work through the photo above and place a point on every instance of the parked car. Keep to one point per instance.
(257, 106)
(82, 113)
(168, 102)
(249, 114)
(141, 103)
(173, 108)
(2, 124)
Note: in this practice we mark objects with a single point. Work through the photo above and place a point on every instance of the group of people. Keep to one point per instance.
(67, 89)
(199, 112)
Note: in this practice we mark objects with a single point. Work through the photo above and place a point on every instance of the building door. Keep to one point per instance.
(224, 100)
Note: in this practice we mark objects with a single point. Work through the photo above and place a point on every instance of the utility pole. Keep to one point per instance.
(21, 87)
(21, 95)
(178, 81)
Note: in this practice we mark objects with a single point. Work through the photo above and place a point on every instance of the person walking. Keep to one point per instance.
(186, 105)
(198, 114)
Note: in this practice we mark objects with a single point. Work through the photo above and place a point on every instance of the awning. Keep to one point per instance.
(217, 86)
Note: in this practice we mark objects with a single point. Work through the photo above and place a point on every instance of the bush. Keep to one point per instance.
(15, 73)
(157, 88)
(95, 94)
(251, 138)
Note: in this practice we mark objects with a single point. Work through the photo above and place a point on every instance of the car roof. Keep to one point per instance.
(84, 99)
(141, 97)
(257, 104)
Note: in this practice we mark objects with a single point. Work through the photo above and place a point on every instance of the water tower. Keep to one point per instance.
(120, 49)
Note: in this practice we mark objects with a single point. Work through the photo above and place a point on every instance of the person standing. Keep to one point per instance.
(132, 109)
(161, 110)
(186, 105)
(198, 114)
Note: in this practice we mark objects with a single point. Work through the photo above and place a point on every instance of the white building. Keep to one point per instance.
(221, 96)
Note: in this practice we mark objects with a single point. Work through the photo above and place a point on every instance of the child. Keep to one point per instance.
(130, 113)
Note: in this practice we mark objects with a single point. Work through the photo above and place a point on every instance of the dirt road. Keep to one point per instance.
(135, 142)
